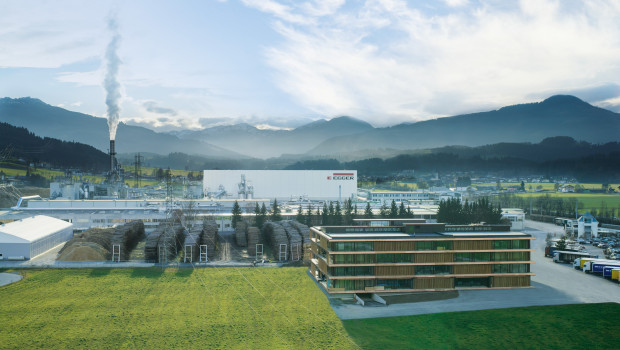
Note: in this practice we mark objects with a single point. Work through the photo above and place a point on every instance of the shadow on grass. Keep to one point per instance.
(184, 272)
(99, 272)
(154, 272)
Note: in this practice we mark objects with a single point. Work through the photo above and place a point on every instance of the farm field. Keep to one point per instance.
(587, 201)
(207, 308)
(543, 327)
(546, 186)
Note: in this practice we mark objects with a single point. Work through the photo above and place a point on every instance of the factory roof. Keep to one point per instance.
(31, 229)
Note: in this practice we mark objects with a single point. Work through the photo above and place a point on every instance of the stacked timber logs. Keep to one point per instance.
(304, 232)
(210, 237)
(127, 237)
(152, 241)
(253, 240)
(275, 235)
(191, 246)
(167, 238)
(294, 240)
(241, 232)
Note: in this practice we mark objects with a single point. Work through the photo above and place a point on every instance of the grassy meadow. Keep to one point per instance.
(585, 326)
(209, 308)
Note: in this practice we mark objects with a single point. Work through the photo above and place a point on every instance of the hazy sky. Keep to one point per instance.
(283, 63)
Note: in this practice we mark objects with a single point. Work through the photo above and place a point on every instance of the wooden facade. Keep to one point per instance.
(346, 260)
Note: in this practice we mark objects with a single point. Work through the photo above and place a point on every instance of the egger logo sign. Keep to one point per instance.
(342, 176)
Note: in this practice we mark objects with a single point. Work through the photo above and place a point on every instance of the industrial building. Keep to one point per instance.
(516, 217)
(418, 257)
(334, 185)
(29, 237)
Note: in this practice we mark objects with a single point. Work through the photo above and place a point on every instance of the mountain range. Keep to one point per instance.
(344, 138)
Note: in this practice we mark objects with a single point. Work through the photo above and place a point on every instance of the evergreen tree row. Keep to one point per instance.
(455, 212)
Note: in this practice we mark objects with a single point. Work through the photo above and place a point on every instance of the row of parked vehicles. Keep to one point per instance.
(609, 269)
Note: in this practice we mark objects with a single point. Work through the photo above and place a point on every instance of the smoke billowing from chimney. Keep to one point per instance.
(111, 84)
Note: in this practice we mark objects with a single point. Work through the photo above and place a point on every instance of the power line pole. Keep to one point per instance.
(137, 169)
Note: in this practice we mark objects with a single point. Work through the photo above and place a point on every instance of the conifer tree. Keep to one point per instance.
(368, 211)
(236, 214)
(275, 211)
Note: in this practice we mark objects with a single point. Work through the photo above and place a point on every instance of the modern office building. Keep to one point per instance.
(419, 257)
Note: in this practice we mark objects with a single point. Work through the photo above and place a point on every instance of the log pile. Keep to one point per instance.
(210, 237)
(241, 232)
(191, 246)
(253, 240)
(169, 237)
(275, 235)
(127, 236)
(294, 239)
(304, 231)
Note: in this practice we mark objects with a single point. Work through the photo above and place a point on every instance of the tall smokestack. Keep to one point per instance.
(112, 156)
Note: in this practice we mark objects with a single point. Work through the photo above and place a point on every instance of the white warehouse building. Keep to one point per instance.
(29, 237)
(281, 184)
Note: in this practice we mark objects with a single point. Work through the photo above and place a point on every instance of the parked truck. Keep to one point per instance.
(608, 270)
(568, 257)
(579, 262)
(615, 275)
(597, 266)
(550, 251)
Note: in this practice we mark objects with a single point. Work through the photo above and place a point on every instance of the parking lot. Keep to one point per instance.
(554, 284)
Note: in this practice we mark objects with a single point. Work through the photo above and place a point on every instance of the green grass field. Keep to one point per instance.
(587, 326)
(587, 201)
(210, 308)
(546, 186)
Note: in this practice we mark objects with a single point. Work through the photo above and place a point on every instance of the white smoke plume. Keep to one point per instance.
(111, 84)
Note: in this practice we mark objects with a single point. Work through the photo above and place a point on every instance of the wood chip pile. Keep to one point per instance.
(210, 237)
(253, 240)
(90, 245)
(241, 232)
(127, 236)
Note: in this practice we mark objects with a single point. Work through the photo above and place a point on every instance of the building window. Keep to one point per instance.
(472, 282)
(434, 245)
(352, 259)
(394, 258)
(352, 284)
(353, 271)
(352, 246)
(510, 256)
(472, 257)
(395, 284)
(511, 268)
(433, 270)
(511, 244)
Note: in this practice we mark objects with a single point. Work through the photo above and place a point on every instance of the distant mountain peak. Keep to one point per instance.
(21, 100)
(562, 99)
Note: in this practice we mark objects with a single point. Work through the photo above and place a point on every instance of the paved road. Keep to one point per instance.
(8, 278)
(554, 284)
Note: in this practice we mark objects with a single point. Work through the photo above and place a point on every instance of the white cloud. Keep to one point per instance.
(388, 58)
(456, 3)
